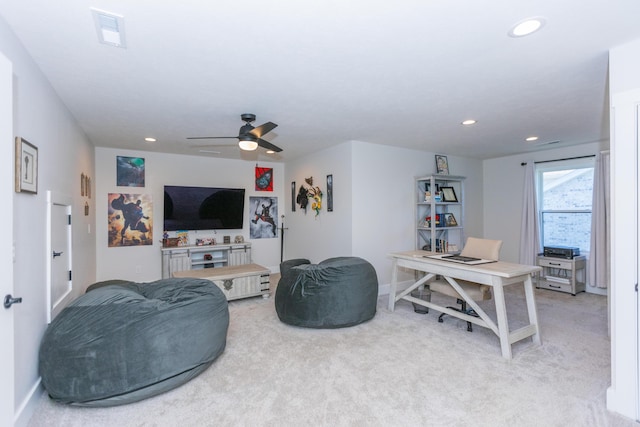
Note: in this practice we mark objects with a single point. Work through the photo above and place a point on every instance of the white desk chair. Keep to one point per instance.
(476, 248)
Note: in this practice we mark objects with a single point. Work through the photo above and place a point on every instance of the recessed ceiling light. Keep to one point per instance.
(150, 139)
(527, 26)
(270, 152)
(469, 122)
(531, 139)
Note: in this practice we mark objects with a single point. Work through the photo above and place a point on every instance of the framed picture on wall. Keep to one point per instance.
(329, 193)
(26, 167)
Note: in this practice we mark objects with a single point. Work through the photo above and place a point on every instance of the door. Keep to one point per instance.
(60, 271)
(7, 405)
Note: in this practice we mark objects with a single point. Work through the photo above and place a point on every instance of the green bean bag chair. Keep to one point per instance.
(336, 293)
(122, 341)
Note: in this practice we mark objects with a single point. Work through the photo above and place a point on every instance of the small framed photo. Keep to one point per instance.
(450, 220)
(26, 167)
(442, 165)
(448, 194)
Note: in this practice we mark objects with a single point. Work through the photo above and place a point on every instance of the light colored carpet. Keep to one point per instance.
(399, 369)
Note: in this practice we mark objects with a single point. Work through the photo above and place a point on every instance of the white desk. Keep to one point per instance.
(496, 274)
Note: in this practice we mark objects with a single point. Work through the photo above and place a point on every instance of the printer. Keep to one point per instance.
(566, 252)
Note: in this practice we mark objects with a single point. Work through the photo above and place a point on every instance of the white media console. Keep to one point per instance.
(181, 258)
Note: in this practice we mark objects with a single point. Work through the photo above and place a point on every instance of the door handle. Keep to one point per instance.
(9, 301)
(55, 254)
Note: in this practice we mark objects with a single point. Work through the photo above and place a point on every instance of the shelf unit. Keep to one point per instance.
(182, 258)
(564, 275)
(432, 212)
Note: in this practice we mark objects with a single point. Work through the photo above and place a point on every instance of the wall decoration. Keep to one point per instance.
(26, 167)
(329, 193)
(315, 194)
(442, 165)
(83, 184)
(130, 171)
(130, 219)
(264, 213)
(302, 198)
(293, 196)
(264, 179)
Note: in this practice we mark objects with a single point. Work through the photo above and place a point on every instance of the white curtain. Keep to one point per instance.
(529, 231)
(599, 264)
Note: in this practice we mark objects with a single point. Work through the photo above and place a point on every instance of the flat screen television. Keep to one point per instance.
(203, 208)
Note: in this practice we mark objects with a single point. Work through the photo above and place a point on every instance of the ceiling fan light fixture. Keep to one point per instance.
(247, 143)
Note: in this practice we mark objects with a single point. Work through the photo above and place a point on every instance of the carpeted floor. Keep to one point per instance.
(399, 369)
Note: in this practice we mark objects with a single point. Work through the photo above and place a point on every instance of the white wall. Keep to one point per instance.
(329, 233)
(503, 184)
(623, 395)
(64, 153)
(374, 208)
(143, 263)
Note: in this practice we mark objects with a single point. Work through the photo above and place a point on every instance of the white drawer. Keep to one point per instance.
(555, 263)
(562, 287)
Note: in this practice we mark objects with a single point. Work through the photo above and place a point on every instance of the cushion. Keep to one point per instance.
(121, 343)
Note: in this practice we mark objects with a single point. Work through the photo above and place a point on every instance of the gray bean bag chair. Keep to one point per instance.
(335, 293)
(122, 341)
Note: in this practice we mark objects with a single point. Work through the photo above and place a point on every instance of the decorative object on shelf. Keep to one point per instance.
(207, 241)
(130, 218)
(448, 194)
(264, 224)
(442, 165)
(239, 239)
(130, 171)
(264, 179)
(183, 237)
(329, 193)
(226, 240)
(293, 196)
(26, 167)
(450, 220)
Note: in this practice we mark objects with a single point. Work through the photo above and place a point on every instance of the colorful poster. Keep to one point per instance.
(130, 219)
(130, 171)
(264, 217)
(264, 179)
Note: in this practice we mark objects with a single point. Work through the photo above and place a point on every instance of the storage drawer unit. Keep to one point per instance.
(564, 275)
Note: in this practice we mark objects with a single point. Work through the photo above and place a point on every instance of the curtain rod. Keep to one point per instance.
(559, 160)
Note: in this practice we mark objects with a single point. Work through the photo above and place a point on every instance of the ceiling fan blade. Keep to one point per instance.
(269, 146)
(263, 129)
(212, 137)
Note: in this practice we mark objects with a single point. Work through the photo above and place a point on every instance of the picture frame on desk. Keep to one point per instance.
(449, 194)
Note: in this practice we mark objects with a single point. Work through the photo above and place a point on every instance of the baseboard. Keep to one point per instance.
(29, 404)
(384, 289)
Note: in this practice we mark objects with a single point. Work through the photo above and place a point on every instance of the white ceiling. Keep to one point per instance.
(402, 73)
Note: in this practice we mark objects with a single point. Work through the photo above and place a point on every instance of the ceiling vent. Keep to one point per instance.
(110, 28)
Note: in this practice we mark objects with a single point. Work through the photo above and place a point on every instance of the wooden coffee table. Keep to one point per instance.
(236, 281)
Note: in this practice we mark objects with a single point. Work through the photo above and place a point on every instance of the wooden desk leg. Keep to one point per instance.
(503, 323)
(532, 309)
(393, 285)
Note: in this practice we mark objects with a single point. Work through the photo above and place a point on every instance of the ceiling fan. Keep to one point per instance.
(249, 137)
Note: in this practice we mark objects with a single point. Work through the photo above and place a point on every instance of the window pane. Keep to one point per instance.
(567, 229)
(567, 189)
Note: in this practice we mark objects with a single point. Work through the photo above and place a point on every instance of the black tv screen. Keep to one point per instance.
(203, 208)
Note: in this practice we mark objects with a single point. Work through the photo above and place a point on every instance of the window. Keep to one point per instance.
(565, 193)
